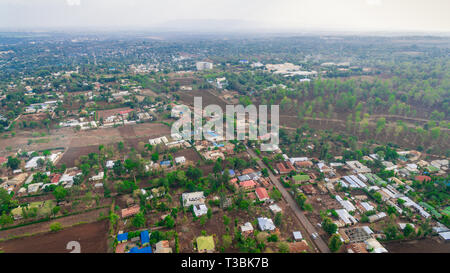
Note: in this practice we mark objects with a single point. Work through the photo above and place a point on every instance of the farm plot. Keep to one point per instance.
(92, 238)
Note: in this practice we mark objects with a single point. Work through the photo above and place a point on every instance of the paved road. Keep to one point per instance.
(320, 243)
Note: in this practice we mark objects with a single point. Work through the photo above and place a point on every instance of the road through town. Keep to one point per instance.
(320, 243)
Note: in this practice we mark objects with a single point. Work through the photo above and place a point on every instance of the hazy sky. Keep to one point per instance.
(391, 15)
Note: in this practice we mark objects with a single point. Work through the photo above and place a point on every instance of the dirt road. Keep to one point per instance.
(319, 242)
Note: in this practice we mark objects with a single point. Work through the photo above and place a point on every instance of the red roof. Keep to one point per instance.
(56, 178)
(130, 211)
(262, 193)
(282, 168)
(248, 184)
(126, 111)
(422, 178)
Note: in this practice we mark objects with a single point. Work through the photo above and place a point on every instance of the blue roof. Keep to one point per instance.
(166, 162)
(122, 237)
(145, 237)
(230, 172)
(213, 134)
(135, 249)
(218, 145)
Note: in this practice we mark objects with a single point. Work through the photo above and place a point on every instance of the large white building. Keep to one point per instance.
(204, 65)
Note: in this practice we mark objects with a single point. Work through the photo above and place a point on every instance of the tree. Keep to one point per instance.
(6, 219)
(56, 226)
(408, 230)
(6, 201)
(60, 193)
(226, 241)
(278, 219)
(265, 172)
(329, 226)
(55, 210)
(335, 243)
(13, 163)
(283, 247)
(155, 157)
(138, 220)
(169, 222)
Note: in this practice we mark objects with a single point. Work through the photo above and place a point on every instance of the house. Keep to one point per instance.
(275, 208)
(109, 164)
(33, 163)
(180, 160)
(285, 167)
(193, 198)
(297, 235)
(122, 237)
(97, 177)
(135, 249)
(145, 238)
(374, 246)
(200, 210)
(265, 224)
(308, 189)
(303, 164)
(298, 247)
(247, 228)
(205, 244)
(445, 236)
(422, 178)
(120, 248)
(247, 185)
(127, 212)
(357, 248)
(262, 194)
(163, 247)
(346, 217)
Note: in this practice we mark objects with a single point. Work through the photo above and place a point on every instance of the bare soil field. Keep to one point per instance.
(429, 245)
(110, 112)
(92, 238)
(189, 154)
(45, 226)
(208, 98)
(74, 153)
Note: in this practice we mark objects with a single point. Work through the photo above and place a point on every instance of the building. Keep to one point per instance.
(130, 211)
(180, 160)
(122, 237)
(145, 238)
(247, 228)
(200, 210)
(285, 167)
(372, 245)
(275, 208)
(265, 224)
(135, 249)
(163, 247)
(247, 185)
(262, 194)
(193, 198)
(203, 65)
(297, 235)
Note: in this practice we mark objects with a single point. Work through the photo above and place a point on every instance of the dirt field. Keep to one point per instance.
(92, 238)
(418, 246)
(189, 154)
(110, 112)
(74, 153)
(208, 98)
(45, 226)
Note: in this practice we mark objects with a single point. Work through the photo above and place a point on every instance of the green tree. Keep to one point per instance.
(335, 243)
(55, 226)
(138, 220)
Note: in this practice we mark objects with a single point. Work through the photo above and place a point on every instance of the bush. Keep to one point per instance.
(56, 226)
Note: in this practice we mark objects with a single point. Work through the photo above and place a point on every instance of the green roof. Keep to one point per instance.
(301, 177)
(205, 243)
(432, 168)
(446, 210)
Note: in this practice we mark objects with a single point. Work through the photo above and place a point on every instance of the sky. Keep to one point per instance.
(231, 15)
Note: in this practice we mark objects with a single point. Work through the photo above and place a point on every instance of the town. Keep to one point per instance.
(88, 155)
